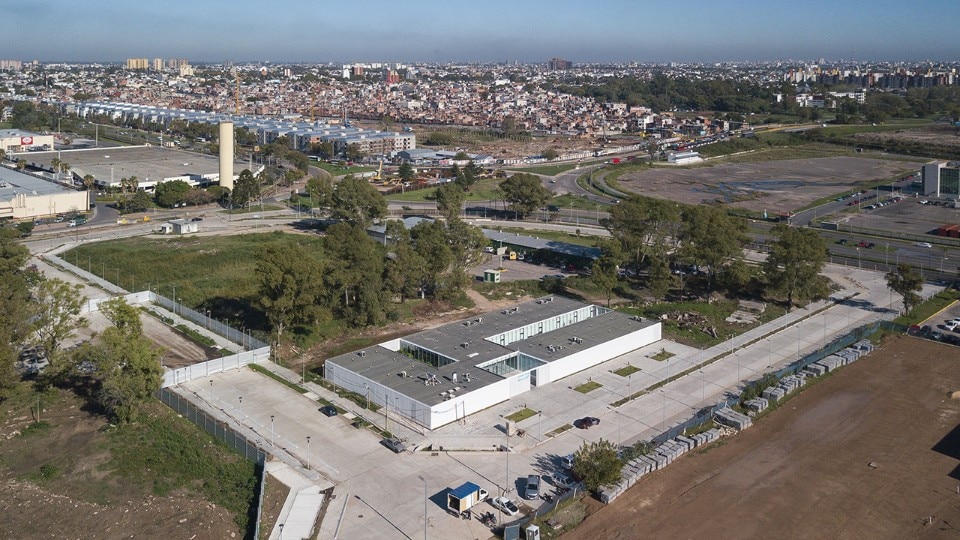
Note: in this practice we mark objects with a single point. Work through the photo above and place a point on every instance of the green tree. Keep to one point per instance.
(597, 464)
(793, 266)
(405, 172)
(290, 286)
(466, 248)
(906, 282)
(357, 202)
(15, 307)
(354, 153)
(245, 190)
(170, 193)
(140, 202)
(603, 273)
(88, 181)
(320, 190)
(21, 164)
(461, 156)
(403, 270)
(127, 363)
(524, 192)
(550, 154)
(450, 198)
(431, 244)
(354, 275)
(57, 316)
(323, 149)
(710, 237)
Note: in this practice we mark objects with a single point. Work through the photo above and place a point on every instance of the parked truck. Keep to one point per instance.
(463, 498)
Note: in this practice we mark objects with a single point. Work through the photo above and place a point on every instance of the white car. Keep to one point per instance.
(952, 324)
(505, 505)
(924, 244)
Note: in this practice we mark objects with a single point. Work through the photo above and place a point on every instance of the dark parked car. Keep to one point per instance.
(586, 422)
(328, 410)
(197, 219)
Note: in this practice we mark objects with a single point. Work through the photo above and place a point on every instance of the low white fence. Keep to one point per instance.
(204, 369)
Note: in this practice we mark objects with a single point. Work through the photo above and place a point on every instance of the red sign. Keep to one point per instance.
(26, 140)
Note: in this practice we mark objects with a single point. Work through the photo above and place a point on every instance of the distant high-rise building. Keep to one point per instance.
(11, 65)
(357, 70)
(557, 64)
(137, 63)
(158, 64)
(391, 76)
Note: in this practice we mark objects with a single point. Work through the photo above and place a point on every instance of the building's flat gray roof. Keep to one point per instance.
(6, 133)
(384, 366)
(18, 182)
(448, 339)
(602, 328)
(531, 242)
(144, 162)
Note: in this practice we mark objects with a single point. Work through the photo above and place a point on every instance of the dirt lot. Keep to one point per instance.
(775, 186)
(871, 452)
(943, 136)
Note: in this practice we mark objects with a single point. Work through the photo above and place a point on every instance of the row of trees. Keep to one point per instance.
(118, 372)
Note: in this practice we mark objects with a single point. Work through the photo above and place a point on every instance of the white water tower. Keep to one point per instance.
(226, 155)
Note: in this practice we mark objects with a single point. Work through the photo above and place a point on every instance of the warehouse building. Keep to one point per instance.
(444, 374)
(24, 196)
(17, 140)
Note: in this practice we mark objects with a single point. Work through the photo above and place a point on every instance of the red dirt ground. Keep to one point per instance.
(851, 457)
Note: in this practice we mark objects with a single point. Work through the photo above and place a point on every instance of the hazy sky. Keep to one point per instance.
(479, 30)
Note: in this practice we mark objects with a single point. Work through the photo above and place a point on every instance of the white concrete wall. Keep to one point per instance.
(464, 405)
(27, 206)
(173, 377)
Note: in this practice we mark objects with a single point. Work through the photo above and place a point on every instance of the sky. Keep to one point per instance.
(479, 30)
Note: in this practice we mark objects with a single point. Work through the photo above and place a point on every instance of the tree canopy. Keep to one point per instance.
(357, 202)
(524, 192)
(597, 464)
(906, 282)
(793, 266)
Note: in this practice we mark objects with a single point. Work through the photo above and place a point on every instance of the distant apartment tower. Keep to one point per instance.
(158, 64)
(941, 179)
(557, 64)
(357, 70)
(390, 76)
(11, 65)
(137, 63)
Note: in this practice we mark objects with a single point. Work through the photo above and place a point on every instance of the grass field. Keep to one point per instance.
(575, 201)
(547, 170)
(337, 170)
(482, 190)
(204, 273)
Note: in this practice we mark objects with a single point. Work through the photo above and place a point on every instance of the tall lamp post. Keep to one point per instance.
(272, 431)
(308, 452)
(424, 506)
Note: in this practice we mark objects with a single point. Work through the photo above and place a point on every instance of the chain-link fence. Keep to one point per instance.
(204, 320)
(224, 433)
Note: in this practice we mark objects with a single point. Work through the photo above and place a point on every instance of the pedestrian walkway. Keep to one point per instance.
(301, 507)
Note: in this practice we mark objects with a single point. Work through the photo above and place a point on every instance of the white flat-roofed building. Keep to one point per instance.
(24, 196)
(444, 374)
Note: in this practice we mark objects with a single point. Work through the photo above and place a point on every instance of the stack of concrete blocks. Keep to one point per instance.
(815, 370)
(864, 346)
(648, 462)
(661, 460)
(849, 355)
(773, 393)
(731, 418)
(830, 363)
(757, 404)
(687, 441)
(791, 383)
(706, 437)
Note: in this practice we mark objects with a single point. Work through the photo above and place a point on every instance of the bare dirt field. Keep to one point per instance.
(943, 136)
(871, 452)
(774, 186)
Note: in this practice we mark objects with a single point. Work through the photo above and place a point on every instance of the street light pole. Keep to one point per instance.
(424, 506)
(540, 427)
(308, 452)
(240, 409)
(272, 431)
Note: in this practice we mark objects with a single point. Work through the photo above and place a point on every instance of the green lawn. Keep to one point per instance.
(482, 190)
(588, 387)
(577, 201)
(547, 170)
(215, 273)
(337, 170)
(626, 371)
(521, 415)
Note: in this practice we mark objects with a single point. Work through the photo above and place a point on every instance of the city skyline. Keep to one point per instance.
(498, 31)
